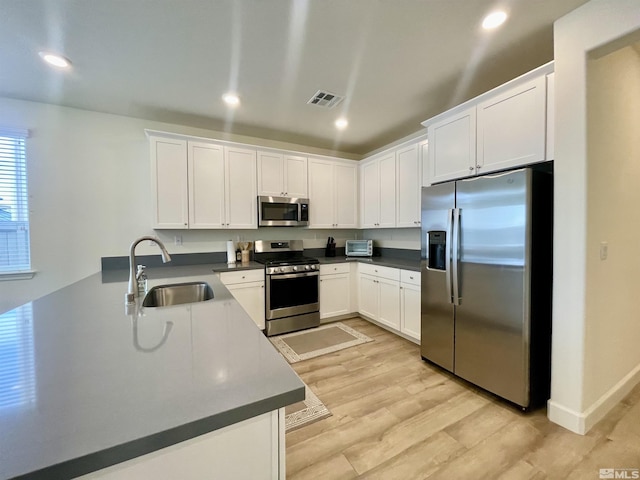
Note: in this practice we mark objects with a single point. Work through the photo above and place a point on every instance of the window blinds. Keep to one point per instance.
(14, 211)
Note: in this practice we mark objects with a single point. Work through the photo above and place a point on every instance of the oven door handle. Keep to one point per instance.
(293, 275)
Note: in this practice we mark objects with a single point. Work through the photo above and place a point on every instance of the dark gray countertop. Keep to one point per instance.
(392, 262)
(382, 261)
(223, 267)
(85, 384)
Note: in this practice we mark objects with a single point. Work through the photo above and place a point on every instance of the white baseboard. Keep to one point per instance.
(582, 422)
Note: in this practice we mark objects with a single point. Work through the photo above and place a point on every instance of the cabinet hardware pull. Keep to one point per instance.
(470, 168)
(478, 166)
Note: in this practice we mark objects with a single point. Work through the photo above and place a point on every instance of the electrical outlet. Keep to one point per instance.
(604, 250)
(177, 240)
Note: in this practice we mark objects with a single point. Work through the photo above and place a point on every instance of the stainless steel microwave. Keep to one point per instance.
(283, 212)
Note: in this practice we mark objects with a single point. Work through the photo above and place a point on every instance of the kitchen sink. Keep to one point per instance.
(177, 293)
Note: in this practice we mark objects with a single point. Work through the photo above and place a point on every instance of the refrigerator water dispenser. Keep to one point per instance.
(437, 249)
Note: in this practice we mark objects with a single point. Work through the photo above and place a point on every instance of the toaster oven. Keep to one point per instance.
(359, 248)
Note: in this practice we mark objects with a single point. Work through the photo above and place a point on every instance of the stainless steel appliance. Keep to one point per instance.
(359, 248)
(283, 212)
(486, 281)
(292, 298)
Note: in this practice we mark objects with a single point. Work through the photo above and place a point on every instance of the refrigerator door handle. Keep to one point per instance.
(447, 260)
(455, 242)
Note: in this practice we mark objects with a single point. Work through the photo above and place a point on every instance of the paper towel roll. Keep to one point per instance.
(231, 252)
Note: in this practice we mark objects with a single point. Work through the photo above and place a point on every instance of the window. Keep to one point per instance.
(14, 212)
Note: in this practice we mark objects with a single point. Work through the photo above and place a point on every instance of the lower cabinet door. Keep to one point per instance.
(368, 296)
(251, 297)
(334, 295)
(410, 310)
(389, 302)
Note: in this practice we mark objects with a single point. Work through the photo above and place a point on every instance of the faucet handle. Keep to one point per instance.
(141, 278)
(141, 271)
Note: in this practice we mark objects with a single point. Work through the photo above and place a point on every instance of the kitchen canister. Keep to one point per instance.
(231, 253)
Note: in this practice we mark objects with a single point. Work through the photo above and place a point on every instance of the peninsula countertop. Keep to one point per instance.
(86, 383)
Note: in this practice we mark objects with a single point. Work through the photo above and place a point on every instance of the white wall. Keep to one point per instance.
(402, 238)
(572, 388)
(89, 187)
(612, 337)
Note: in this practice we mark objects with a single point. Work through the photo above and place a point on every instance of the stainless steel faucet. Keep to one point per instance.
(132, 291)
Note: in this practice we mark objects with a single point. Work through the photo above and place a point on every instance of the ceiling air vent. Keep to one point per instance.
(325, 99)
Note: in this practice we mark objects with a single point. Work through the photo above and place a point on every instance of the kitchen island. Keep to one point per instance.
(87, 384)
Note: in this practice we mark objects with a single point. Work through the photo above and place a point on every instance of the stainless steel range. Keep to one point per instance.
(292, 299)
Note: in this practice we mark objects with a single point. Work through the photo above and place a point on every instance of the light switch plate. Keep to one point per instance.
(604, 250)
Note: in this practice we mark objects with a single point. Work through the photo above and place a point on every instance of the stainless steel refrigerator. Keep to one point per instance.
(486, 272)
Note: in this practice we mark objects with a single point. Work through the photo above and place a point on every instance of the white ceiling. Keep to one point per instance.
(398, 62)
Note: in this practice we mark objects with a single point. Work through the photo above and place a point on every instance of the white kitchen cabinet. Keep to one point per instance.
(335, 290)
(187, 183)
(378, 192)
(205, 167)
(408, 186)
(551, 122)
(368, 305)
(504, 128)
(198, 184)
(410, 295)
(389, 302)
(253, 448)
(380, 294)
(169, 182)
(240, 188)
(282, 175)
(424, 162)
(333, 190)
(247, 287)
(511, 127)
(452, 146)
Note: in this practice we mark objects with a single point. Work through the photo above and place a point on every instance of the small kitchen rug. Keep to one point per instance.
(310, 410)
(307, 344)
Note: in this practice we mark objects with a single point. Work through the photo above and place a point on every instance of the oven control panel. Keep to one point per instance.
(292, 269)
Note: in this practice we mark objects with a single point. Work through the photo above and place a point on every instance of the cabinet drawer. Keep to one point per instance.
(242, 276)
(409, 276)
(378, 271)
(335, 268)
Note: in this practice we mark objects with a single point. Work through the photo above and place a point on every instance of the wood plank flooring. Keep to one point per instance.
(397, 417)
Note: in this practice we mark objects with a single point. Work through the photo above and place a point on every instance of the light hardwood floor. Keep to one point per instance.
(397, 417)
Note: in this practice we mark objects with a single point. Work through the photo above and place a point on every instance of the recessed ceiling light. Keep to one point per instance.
(231, 99)
(494, 20)
(341, 123)
(55, 60)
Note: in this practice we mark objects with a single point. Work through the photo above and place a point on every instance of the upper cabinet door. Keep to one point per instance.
(206, 185)
(321, 194)
(240, 190)
(370, 195)
(551, 117)
(271, 174)
(295, 176)
(424, 162)
(387, 198)
(452, 146)
(511, 127)
(408, 186)
(346, 196)
(169, 183)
